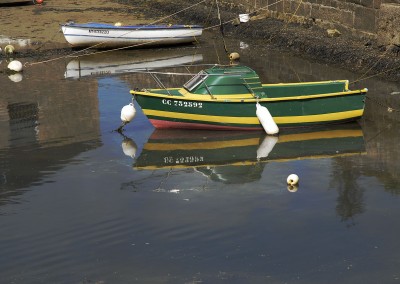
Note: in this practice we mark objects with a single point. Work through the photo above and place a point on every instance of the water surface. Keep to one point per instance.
(80, 203)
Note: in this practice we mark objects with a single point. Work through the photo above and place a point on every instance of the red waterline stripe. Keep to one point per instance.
(162, 124)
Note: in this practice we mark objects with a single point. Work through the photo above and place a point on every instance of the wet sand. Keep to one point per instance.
(39, 25)
(364, 56)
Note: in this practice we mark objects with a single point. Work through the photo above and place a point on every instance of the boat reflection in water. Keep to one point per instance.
(239, 157)
(130, 61)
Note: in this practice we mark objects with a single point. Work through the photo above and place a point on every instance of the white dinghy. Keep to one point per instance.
(100, 35)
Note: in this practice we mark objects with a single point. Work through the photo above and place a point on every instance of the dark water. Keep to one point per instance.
(80, 203)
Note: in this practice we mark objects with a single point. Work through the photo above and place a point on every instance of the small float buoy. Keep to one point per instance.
(129, 147)
(38, 1)
(9, 49)
(292, 188)
(17, 77)
(128, 112)
(266, 146)
(234, 56)
(244, 18)
(292, 179)
(15, 66)
(266, 120)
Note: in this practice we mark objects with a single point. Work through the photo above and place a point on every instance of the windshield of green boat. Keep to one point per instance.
(195, 81)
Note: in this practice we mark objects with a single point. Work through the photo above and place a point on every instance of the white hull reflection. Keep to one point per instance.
(119, 63)
(17, 42)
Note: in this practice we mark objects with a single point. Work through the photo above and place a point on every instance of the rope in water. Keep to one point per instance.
(388, 108)
(80, 52)
(363, 76)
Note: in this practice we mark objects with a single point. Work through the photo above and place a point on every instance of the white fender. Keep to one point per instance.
(17, 77)
(129, 148)
(15, 65)
(266, 120)
(128, 112)
(266, 146)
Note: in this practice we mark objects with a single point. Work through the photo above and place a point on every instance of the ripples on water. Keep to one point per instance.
(80, 203)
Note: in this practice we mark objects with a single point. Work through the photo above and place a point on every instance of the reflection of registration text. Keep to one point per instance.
(182, 103)
(183, 160)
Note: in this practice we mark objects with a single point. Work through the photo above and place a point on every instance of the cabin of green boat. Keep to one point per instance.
(238, 79)
(224, 80)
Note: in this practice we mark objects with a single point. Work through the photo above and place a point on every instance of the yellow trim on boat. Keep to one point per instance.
(238, 98)
(254, 120)
(202, 145)
(309, 83)
(332, 134)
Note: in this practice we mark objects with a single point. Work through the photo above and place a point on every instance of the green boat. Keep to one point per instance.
(177, 148)
(225, 98)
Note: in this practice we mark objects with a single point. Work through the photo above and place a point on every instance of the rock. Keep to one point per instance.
(333, 33)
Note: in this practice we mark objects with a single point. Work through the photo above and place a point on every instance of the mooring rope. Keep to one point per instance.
(221, 27)
(286, 23)
(362, 77)
(78, 52)
(131, 46)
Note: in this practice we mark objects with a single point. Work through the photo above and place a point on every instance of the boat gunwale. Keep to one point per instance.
(230, 99)
(132, 27)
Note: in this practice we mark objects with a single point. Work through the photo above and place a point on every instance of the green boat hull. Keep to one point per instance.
(226, 98)
(175, 112)
(182, 149)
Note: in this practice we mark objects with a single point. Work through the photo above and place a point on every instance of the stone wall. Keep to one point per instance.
(377, 19)
(388, 29)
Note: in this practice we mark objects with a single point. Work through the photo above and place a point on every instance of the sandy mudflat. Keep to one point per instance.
(35, 31)
(31, 26)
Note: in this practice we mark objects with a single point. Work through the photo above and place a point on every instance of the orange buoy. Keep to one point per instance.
(38, 1)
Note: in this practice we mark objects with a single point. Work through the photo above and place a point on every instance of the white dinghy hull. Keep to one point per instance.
(100, 35)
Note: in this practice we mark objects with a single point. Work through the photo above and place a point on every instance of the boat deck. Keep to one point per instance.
(264, 92)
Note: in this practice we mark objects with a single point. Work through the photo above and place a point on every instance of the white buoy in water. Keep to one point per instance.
(234, 56)
(128, 112)
(15, 65)
(292, 179)
(266, 120)
(17, 77)
(129, 148)
(266, 146)
(292, 188)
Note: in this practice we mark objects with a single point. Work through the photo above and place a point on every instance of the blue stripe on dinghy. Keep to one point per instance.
(137, 27)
